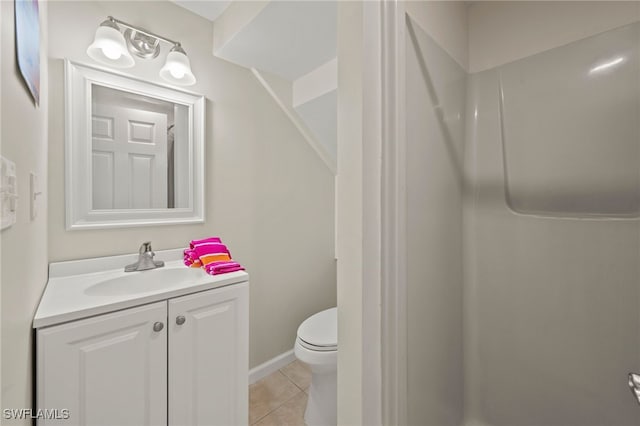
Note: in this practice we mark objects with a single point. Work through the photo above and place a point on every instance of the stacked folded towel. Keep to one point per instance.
(191, 257)
(211, 255)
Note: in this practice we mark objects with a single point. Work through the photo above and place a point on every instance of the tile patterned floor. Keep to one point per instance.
(280, 398)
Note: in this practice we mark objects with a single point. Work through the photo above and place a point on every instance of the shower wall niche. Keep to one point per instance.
(569, 128)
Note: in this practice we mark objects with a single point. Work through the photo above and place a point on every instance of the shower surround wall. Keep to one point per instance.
(524, 285)
(435, 137)
(553, 240)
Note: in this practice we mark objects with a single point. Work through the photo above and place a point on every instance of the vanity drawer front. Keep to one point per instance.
(106, 370)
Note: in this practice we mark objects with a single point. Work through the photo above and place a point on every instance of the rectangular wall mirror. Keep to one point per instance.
(134, 151)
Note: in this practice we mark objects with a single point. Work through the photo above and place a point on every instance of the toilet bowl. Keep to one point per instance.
(317, 346)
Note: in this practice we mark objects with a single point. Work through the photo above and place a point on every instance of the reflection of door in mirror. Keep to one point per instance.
(133, 154)
(129, 158)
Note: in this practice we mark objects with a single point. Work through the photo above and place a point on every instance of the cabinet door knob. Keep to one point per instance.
(158, 326)
(180, 319)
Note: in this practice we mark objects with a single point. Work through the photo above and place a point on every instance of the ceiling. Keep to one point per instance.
(287, 38)
(209, 9)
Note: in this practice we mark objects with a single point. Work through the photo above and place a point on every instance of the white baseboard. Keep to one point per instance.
(274, 364)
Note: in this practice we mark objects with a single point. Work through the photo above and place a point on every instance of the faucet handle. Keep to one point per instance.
(145, 247)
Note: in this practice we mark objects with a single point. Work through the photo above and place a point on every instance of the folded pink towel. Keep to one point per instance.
(195, 243)
(211, 255)
(191, 257)
(206, 248)
(216, 268)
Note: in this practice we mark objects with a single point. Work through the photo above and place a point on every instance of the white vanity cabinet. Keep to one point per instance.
(179, 361)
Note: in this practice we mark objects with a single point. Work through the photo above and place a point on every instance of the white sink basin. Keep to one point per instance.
(145, 281)
(83, 288)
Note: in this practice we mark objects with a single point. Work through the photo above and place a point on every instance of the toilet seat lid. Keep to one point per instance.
(320, 329)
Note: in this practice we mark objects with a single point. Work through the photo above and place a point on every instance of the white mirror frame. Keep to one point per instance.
(78, 186)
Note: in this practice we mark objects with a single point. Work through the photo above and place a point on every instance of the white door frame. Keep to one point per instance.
(394, 215)
(371, 214)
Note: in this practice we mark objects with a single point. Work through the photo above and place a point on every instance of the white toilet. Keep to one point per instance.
(317, 345)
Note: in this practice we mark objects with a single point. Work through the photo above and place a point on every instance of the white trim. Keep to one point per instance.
(372, 209)
(361, 149)
(270, 366)
(335, 217)
(317, 147)
(394, 216)
(1, 257)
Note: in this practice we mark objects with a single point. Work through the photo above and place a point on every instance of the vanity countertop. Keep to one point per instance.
(82, 288)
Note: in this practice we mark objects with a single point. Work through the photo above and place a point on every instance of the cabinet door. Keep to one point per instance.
(208, 357)
(106, 370)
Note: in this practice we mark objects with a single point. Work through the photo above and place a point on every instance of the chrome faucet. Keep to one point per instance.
(145, 260)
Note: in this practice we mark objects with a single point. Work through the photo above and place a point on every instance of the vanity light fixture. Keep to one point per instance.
(111, 47)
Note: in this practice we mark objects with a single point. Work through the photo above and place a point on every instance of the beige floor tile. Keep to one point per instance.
(299, 373)
(290, 413)
(268, 394)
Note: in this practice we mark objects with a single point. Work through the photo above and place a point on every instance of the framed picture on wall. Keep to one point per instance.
(28, 44)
